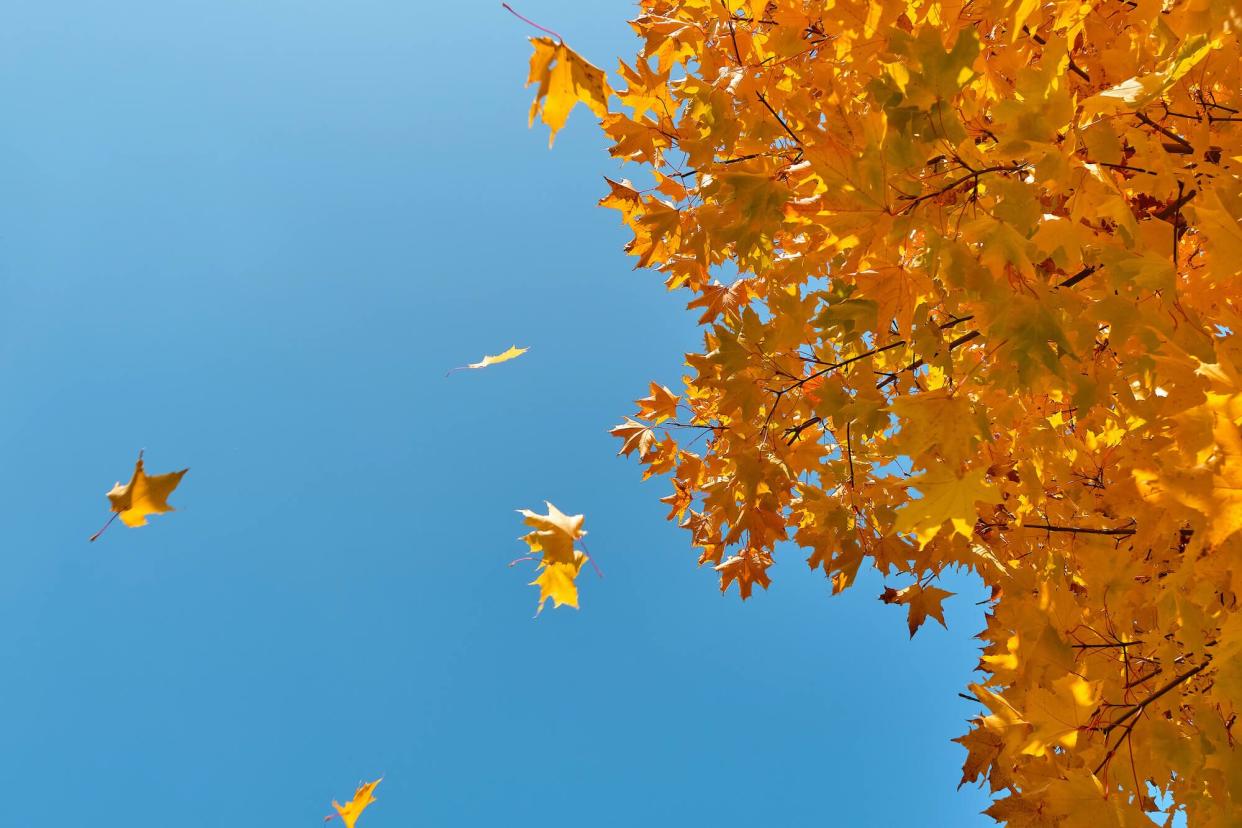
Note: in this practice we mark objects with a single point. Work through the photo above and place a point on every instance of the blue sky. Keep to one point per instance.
(250, 238)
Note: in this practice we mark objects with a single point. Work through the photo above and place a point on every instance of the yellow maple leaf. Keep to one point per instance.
(565, 79)
(559, 563)
(556, 582)
(352, 809)
(512, 353)
(920, 601)
(1059, 713)
(143, 495)
(941, 419)
(946, 496)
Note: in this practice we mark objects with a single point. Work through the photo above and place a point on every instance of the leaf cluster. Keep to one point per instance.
(988, 287)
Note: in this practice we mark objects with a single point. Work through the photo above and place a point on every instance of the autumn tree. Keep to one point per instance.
(988, 258)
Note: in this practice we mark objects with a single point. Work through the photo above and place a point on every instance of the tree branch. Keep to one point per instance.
(1079, 276)
(973, 175)
(919, 363)
(777, 116)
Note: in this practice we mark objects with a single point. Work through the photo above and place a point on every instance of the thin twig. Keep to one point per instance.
(591, 558)
(1138, 708)
(777, 116)
(1130, 718)
(733, 35)
(849, 450)
(973, 175)
(1187, 147)
(919, 363)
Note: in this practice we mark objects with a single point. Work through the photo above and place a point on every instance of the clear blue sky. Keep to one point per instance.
(250, 238)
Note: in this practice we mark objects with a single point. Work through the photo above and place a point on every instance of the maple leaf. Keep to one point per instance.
(564, 79)
(660, 405)
(351, 810)
(143, 495)
(937, 419)
(983, 748)
(946, 497)
(1059, 712)
(559, 563)
(747, 569)
(717, 299)
(622, 196)
(636, 436)
(513, 352)
(556, 582)
(920, 601)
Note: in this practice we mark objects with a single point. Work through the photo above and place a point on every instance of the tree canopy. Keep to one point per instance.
(968, 276)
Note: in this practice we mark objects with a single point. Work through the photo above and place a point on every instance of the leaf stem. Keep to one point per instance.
(591, 558)
(525, 19)
(105, 526)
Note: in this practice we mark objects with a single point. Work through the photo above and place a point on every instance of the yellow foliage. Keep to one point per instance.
(1000, 243)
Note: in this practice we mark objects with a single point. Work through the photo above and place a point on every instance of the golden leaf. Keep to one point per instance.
(352, 809)
(660, 405)
(143, 495)
(564, 79)
(559, 563)
(513, 352)
(946, 497)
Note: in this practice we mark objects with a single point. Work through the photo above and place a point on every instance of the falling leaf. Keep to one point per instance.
(143, 495)
(512, 353)
(559, 563)
(352, 809)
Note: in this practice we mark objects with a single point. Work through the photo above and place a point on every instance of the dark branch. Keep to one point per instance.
(1184, 145)
(1079, 276)
(919, 363)
(777, 116)
(972, 176)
